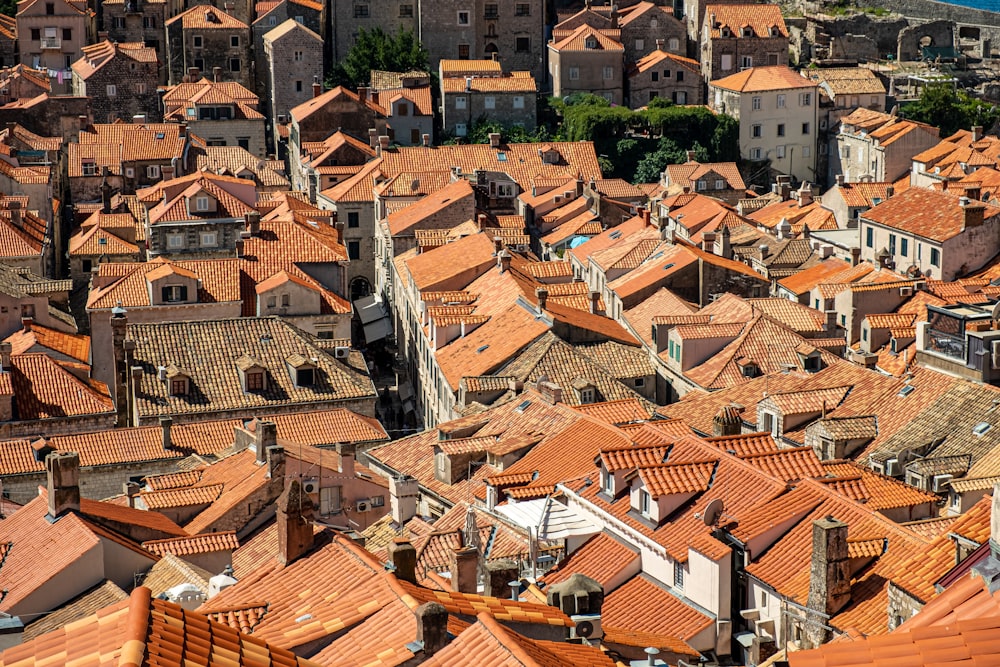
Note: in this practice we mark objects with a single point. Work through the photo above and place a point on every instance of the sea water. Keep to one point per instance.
(991, 5)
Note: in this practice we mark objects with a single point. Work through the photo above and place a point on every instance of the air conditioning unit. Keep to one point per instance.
(310, 486)
(587, 626)
(363, 506)
(522, 247)
(939, 484)
(340, 352)
(906, 290)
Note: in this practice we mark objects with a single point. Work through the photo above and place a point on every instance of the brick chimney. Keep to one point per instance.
(165, 424)
(727, 421)
(26, 323)
(294, 519)
(465, 570)
(63, 470)
(317, 88)
(265, 435)
(550, 392)
(829, 576)
(432, 627)
(403, 557)
(130, 490)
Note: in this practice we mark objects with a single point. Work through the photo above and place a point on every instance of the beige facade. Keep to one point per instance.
(587, 61)
(666, 76)
(52, 34)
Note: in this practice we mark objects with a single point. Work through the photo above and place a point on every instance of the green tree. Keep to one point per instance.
(943, 106)
(8, 7)
(375, 49)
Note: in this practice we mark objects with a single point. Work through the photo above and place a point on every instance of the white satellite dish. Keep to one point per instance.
(713, 512)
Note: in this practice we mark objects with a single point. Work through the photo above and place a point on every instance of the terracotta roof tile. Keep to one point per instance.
(195, 544)
(100, 596)
(210, 18)
(674, 617)
(586, 38)
(74, 346)
(944, 219)
(202, 495)
(761, 79)
(788, 464)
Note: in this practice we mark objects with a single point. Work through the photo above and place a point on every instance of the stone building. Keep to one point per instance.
(406, 98)
(643, 24)
(223, 113)
(874, 146)
(510, 99)
(587, 61)
(307, 14)
(206, 37)
(8, 41)
(293, 61)
(346, 18)
(665, 75)
(737, 37)
(120, 79)
(139, 21)
(52, 34)
(22, 82)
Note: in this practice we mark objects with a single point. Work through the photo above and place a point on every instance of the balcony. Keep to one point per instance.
(51, 43)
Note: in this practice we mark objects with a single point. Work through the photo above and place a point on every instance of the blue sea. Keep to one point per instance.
(991, 5)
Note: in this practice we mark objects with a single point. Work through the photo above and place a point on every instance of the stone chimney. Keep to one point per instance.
(727, 421)
(403, 557)
(167, 172)
(276, 462)
(165, 424)
(829, 576)
(217, 74)
(403, 494)
(977, 133)
(465, 570)
(6, 351)
(16, 218)
(372, 137)
(503, 260)
(63, 470)
(193, 74)
(577, 595)
(130, 490)
(805, 194)
(240, 244)
(542, 295)
(595, 301)
(499, 574)
(550, 392)
(840, 180)
(383, 141)
(265, 435)
(494, 140)
(253, 223)
(294, 519)
(83, 121)
(973, 212)
(432, 627)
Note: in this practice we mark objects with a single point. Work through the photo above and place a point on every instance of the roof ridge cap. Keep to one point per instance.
(136, 628)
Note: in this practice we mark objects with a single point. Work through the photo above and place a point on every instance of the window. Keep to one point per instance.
(655, 76)
(148, 22)
(112, 90)
(298, 86)
(489, 102)
(606, 481)
(461, 129)
(935, 257)
(522, 44)
(674, 44)
(36, 34)
(354, 249)
(702, 184)
(781, 129)
(639, 382)
(406, 11)
(178, 387)
(235, 65)
(174, 293)
(756, 103)
(299, 19)
(140, 89)
(680, 97)
(678, 576)
(199, 63)
(904, 247)
(353, 219)
(770, 425)
(491, 11)
(272, 301)
(640, 44)
(285, 301)
(175, 240)
(609, 73)
(50, 8)
(756, 131)
(196, 41)
(518, 102)
(574, 73)
(781, 101)
(153, 171)
(644, 502)
(119, 23)
(755, 154)
(522, 9)
(779, 152)
(892, 244)
(201, 204)
(460, 102)
(209, 239)
(666, 74)
(360, 11)
(298, 56)
(463, 17)
(746, 62)
(88, 265)
(680, 75)
(869, 237)
(805, 128)
(67, 34)
(234, 41)
(463, 51)
(720, 184)
(255, 381)
(304, 377)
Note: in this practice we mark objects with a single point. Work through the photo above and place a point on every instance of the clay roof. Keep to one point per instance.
(602, 558)
(100, 596)
(581, 39)
(44, 389)
(195, 544)
(848, 80)
(807, 279)
(519, 82)
(673, 616)
(233, 160)
(760, 18)
(942, 216)
(97, 56)
(688, 173)
(207, 18)
(310, 106)
(656, 57)
(409, 217)
(763, 79)
(145, 631)
(74, 346)
(127, 283)
(461, 68)
(616, 412)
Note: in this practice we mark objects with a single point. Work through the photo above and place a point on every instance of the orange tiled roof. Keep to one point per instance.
(195, 544)
(761, 79)
(205, 17)
(75, 346)
(788, 464)
(44, 389)
(673, 616)
(941, 216)
(490, 84)
(586, 38)
(759, 18)
(602, 558)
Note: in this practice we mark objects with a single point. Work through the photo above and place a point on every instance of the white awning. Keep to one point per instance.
(377, 330)
(374, 318)
(552, 519)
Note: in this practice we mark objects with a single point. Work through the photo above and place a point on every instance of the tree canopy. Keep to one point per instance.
(376, 49)
(943, 106)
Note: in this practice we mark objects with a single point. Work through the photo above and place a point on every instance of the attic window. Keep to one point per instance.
(981, 429)
(174, 293)
(774, 31)
(160, 135)
(305, 377)
(591, 43)
(747, 31)
(255, 381)
(725, 31)
(906, 391)
(481, 349)
(89, 168)
(201, 203)
(522, 407)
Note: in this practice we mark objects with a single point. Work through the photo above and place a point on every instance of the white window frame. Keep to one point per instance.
(461, 102)
(112, 90)
(201, 203)
(755, 102)
(175, 240)
(781, 100)
(609, 73)
(152, 171)
(574, 73)
(640, 44)
(489, 102)
(209, 239)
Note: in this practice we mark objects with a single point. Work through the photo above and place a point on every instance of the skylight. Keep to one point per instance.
(907, 390)
(980, 429)
(522, 407)
(481, 349)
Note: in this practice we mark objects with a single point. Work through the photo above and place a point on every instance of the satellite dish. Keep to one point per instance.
(713, 512)
(995, 315)
(904, 456)
(585, 629)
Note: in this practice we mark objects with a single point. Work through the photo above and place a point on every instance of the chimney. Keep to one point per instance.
(973, 212)
(829, 576)
(577, 595)
(240, 252)
(83, 122)
(372, 137)
(317, 88)
(339, 226)
(432, 627)
(659, 44)
(14, 207)
(465, 570)
(63, 470)
(102, 36)
(276, 462)
(217, 74)
(727, 421)
(551, 392)
(265, 435)
(805, 194)
(495, 56)
(294, 519)
(403, 557)
(193, 74)
(6, 349)
(499, 575)
(831, 321)
(595, 300)
(105, 193)
(165, 424)
(840, 180)
(253, 223)
(542, 295)
(708, 241)
(691, 155)
(494, 140)
(764, 250)
(403, 494)
(425, 139)
(889, 191)
(383, 141)
(855, 256)
(973, 192)
(977, 133)
(362, 93)
(130, 490)
(503, 259)
(26, 323)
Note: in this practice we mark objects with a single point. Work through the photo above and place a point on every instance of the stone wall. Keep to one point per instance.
(96, 482)
(919, 11)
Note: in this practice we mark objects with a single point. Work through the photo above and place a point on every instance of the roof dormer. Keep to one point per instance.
(253, 375)
(658, 490)
(746, 31)
(202, 203)
(301, 369)
(171, 284)
(178, 381)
